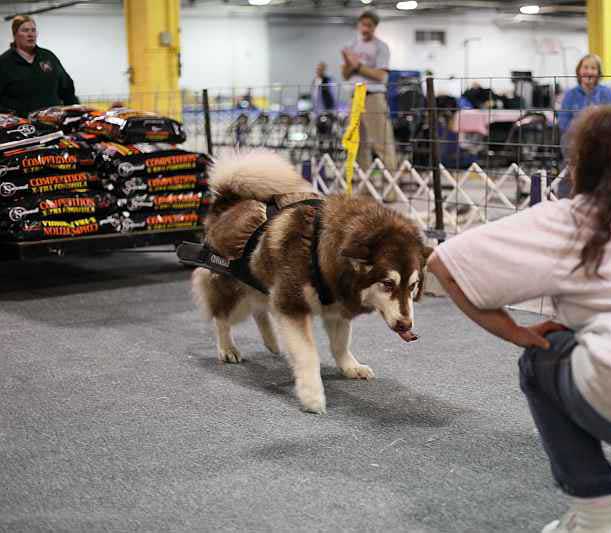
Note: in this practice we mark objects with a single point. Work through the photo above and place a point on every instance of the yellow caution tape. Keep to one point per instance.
(352, 137)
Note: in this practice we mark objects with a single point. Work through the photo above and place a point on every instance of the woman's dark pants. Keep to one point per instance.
(571, 429)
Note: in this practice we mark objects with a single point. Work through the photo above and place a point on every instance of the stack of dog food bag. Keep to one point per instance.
(157, 185)
(73, 171)
(48, 184)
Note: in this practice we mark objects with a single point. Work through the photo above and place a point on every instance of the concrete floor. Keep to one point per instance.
(116, 416)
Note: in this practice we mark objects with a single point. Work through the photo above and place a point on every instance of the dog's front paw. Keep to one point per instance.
(230, 355)
(312, 398)
(358, 372)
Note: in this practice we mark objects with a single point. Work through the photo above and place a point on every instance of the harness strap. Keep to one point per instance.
(324, 292)
(242, 265)
(202, 255)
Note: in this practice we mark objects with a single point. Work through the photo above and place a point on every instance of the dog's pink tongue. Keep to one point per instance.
(408, 336)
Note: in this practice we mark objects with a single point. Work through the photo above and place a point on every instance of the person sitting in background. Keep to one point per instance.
(322, 89)
(563, 250)
(31, 77)
(246, 101)
(452, 154)
(588, 92)
(476, 97)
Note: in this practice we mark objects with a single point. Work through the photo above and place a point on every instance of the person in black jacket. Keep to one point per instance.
(323, 88)
(31, 77)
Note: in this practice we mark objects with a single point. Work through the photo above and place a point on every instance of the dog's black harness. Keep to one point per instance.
(200, 254)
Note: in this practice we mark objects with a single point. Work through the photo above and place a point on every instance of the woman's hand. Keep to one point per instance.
(534, 336)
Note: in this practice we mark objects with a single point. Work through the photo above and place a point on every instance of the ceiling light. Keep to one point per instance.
(366, 1)
(529, 10)
(259, 2)
(405, 6)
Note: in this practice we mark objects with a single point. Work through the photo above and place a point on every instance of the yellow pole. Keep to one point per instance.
(599, 31)
(352, 135)
(153, 43)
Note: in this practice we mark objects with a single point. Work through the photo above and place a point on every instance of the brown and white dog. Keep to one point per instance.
(370, 258)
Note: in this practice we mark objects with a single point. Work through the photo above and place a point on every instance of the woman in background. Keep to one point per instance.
(31, 77)
(560, 249)
(588, 91)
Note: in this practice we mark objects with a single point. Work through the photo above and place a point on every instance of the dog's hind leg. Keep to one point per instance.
(266, 329)
(226, 348)
(221, 299)
(299, 340)
(339, 331)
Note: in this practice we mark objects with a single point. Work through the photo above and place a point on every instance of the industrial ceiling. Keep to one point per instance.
(346, 8)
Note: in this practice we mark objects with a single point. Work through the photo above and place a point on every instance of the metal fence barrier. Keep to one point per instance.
(482, 142)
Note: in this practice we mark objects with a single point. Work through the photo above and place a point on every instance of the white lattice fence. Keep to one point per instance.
(478, 196)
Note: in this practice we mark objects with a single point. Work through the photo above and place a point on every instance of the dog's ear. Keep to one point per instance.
(359, 256)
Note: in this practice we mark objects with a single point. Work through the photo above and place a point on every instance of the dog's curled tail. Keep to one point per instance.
(256, 175)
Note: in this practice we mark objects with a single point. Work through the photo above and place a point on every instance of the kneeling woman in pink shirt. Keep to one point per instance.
(563, 250)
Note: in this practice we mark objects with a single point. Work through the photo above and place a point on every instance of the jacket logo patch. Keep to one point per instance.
(45, 66)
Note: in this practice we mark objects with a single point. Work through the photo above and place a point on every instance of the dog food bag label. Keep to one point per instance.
(25, 186)
(58, 207)
(13, 128)
(129, 126)
(117, 161)
(126, 222)
(66, 118)
(36, 230)
(190, 201)
(43, 160)
(152, 185)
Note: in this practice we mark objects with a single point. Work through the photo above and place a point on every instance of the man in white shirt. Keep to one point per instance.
(366, 61)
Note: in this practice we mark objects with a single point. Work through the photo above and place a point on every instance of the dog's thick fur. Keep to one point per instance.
(371, 258)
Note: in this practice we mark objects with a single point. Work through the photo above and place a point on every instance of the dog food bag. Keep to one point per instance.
(84, 151)
(14, 128)
(139, 185)
(205, 205)
(155, 203)
(71, 206)
(24, 186)
(85, 140)
(125, 222)
(16, 131)
(64, 157)
(36, 230)
(117, 161)
(66, 118)
(128, 126)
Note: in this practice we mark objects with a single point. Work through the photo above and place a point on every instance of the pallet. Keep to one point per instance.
(91, 244)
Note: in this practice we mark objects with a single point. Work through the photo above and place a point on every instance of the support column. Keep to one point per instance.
(599, 31)
(153, 43)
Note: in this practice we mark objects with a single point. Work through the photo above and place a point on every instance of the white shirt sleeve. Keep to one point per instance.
(507, 261)
(382, 56)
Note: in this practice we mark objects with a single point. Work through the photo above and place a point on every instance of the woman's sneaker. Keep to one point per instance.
(566, 524)
(585, 516)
